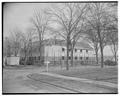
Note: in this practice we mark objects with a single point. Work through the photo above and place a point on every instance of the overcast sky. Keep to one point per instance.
(18, 15)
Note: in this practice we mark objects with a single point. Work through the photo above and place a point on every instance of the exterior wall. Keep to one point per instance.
(80, 54)
(52, 53)
(56, 53)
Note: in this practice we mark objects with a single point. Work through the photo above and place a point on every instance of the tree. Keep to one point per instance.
(99, 19)
(68, 18)
(112, 37)
(16, 40)
(7, 48)
(114, 10)
(40, 21)
(92, 38)
(78, 33)
(26, 43)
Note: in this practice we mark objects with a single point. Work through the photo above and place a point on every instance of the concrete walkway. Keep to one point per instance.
(108, 84)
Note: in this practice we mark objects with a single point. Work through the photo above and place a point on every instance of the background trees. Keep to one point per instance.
(16, 40)
(99, 19)
(40, 21)
(7, 47)
(12, 43)
(113, 42)
(112, 33)
(92, 39)
(26, 44)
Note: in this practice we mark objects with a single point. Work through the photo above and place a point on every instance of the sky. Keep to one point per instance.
(19, 14)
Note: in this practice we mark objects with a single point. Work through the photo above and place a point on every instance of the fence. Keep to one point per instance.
(59, 61)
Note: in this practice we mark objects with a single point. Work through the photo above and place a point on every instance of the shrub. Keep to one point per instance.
(22, 61)
(28, 61)
(110, 63)
(82, 63)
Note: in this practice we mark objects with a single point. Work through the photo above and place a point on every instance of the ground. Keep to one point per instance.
(107, 74)
(35, 79)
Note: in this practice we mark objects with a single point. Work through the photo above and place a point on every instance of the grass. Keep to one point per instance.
(107, 74)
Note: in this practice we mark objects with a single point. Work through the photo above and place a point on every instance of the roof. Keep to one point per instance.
(59, 42)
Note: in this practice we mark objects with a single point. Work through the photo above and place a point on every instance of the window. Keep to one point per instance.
(63, 49)
(75, 50)
(86, 51)
(69, 58)
(81, 58)
(76, 58)
(63, 58)
(80, 50)
(86, 58)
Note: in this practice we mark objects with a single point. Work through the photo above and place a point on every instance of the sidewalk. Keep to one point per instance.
(108, 84)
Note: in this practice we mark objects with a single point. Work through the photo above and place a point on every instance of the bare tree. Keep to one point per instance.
(92, 37)
(24, 48)
(114, 44)
(114, 10)
(112, 37)
(7, 46)
(16, 40)
(68, 17)
(26, 43)
(98, 18)
(78, 33)
(40, 21)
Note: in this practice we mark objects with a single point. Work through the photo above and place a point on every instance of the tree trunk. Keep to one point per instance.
(115, 53)
(115, 58)
(40, 48)
(67, 63)
(40, 45)
(40, 54)
(67, 66)
(72, 57)
(96, 54)
(101, 46)
(102, 58)
(25, 58)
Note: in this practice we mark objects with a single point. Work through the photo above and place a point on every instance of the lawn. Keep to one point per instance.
(107, 74)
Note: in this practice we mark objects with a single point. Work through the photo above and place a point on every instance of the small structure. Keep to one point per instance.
(13, 60)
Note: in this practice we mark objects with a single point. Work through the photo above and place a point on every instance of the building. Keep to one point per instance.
(54, 50)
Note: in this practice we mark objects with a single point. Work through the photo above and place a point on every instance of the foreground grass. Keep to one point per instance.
(107, 74)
